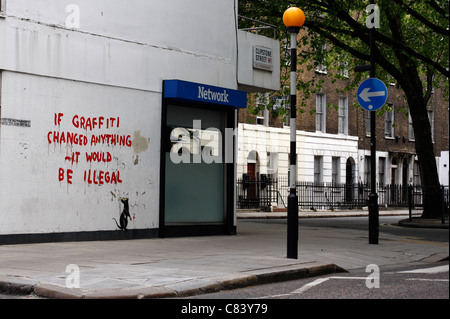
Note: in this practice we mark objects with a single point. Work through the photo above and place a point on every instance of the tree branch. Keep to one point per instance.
(429, 90)
(437, 8)
(408, 50)
(362, 33)
(342, 45)
(380, 59)
(422, 19)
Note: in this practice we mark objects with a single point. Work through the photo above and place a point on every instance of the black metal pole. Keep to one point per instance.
(292, 218)
(373, 197)
(410, 201)
(443, 205)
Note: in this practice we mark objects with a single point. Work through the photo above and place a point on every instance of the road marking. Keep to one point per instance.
(301, 289)
(306, 287)
(425, 279)
(273, 296)
(309, 285)
(432, 270)
(319, 281)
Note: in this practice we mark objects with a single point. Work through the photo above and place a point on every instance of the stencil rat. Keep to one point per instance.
(123, 220)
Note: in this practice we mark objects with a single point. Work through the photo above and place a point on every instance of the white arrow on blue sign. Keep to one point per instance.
(372, 94)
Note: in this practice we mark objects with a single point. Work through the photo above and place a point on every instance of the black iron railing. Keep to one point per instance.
(263, 192)
(258, 193)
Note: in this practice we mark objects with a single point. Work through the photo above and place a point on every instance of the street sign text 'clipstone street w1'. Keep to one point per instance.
(372, 94)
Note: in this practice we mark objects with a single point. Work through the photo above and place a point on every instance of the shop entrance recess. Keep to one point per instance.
(197, 159)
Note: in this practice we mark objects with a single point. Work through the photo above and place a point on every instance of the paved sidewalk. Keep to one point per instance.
(175, 267)
(323, 213)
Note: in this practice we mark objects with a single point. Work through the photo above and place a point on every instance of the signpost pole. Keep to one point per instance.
(373, 197)
(370, 100)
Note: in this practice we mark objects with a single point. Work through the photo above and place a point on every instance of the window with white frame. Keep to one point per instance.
(382, 170)
(431, 119)
(321, 67)
(389, 122)
(343, 116)
(321, 112)
(262, 100)
(280, 103)
(368, 115)
(286, 45)
(367, 175)
(272, 163)
(416, 172)
(410, 128)
(343, 67)
(318, 170)
(335, 170)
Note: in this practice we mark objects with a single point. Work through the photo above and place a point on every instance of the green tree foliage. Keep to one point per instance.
(412, 50)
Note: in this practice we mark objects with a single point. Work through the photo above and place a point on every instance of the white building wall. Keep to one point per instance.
(393, 170)
(444, 168)
(272, 140)
(38, 194)
(248, 76)
(134, 45)
(112, 66)
(327, 146)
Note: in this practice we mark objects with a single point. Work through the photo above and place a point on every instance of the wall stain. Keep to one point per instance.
(140, 143)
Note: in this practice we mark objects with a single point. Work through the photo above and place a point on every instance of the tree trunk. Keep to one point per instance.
(411, 83)
(432, 196)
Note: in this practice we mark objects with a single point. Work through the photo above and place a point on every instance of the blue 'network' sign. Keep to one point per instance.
(197, 92)
(372, 94)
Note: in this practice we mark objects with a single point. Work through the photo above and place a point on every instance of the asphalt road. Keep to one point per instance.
(425, 281)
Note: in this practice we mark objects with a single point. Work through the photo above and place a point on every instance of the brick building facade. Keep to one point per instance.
(329, 120)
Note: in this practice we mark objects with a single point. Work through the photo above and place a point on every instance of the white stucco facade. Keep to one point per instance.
(444, 162)
(272, 148)
(85, 79)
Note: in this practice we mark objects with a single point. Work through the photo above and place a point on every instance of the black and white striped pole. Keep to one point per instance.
(293, 19)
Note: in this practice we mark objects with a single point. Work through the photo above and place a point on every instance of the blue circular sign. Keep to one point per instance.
(372, 94)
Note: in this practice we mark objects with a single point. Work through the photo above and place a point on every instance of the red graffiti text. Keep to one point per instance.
(101, 177)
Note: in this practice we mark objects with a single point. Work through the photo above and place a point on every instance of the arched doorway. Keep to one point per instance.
(349, 179)
(405, 172)
(252, 172)
(405, 180)
(252, 164)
